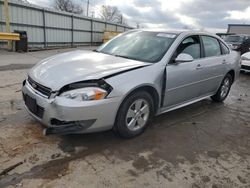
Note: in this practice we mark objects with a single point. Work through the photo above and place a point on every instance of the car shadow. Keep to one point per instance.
(163, 132)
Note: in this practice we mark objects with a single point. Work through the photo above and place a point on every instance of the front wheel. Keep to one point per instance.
(134, 115)
(224, 89)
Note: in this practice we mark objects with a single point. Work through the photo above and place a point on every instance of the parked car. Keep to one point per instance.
(245, 63)
(239, 43)
(223, 35)
(128, 80)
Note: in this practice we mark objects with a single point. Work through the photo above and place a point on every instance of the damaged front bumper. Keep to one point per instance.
(66, 116)
(68, 127)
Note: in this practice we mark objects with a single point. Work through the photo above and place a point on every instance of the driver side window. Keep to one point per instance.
(190, 45)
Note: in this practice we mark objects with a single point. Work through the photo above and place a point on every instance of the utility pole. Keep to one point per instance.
(87, 8)
(121, 19)
(7, 20)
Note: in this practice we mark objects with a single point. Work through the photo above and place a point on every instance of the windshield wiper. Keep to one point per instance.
(99, 51)
(127, 57)
(123, 56)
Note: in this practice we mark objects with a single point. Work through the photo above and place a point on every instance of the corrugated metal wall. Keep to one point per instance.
(50, 28)
(239, 29)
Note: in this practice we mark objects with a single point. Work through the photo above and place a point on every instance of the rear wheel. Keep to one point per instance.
(224, 89)
(134, 115)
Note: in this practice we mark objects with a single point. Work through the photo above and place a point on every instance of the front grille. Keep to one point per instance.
(245, 67)
(33, 106)
(40, 88)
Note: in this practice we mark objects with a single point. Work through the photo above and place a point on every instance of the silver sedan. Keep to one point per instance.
(127, 81)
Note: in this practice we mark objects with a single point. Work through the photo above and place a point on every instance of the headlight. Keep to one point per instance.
(85, 94)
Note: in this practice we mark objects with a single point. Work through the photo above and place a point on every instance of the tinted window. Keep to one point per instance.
(191, 46)
(224, 49)
(211, 46)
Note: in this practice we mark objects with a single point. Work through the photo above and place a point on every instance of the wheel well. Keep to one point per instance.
(232, 73)
(152, 91)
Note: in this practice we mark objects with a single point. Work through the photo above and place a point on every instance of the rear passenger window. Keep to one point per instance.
(211, 46)
(224, 49)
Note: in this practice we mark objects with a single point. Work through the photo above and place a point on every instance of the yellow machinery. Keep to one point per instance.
(7, 19)
(109, 35)
(9, 36)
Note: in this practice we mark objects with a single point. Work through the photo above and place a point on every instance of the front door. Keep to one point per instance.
(183, 79)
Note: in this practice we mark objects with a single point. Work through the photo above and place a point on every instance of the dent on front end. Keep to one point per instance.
(66, 116)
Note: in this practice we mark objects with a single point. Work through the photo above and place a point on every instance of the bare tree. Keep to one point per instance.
(138, 26)
(111, 14)
(68, 6)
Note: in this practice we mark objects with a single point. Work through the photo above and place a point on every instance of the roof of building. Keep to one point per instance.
(247, 25)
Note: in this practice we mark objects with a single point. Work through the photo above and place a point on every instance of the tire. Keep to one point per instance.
(134, 115)
(224, 89)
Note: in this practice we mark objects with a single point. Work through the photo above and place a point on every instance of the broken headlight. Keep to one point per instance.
(85, 94)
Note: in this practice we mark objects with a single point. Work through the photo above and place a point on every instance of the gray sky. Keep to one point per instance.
(211, 15)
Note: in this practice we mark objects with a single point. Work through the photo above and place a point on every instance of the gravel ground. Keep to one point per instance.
(203, 145)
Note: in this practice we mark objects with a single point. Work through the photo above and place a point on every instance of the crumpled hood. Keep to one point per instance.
(60, 70)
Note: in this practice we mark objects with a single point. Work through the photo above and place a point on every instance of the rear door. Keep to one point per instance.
(213, 66)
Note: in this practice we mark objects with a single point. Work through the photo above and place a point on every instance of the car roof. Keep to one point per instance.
(195, 32)
(162, 30)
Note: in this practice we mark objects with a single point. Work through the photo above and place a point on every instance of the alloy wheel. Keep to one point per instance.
(137, 115)
(225, 88)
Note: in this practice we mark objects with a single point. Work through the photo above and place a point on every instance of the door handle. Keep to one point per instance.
(198, 67)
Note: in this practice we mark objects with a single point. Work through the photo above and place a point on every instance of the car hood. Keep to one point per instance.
(60, 70)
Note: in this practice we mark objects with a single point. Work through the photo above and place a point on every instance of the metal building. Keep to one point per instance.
(238, 29)
(47, 27)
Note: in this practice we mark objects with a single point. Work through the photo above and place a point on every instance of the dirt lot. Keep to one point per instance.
(202, 145)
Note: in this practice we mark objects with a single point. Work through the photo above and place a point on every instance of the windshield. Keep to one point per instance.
(234, 39)
(139, 45)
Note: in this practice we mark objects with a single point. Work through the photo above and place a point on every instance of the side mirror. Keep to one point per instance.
(246, 56)
(183, 57)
